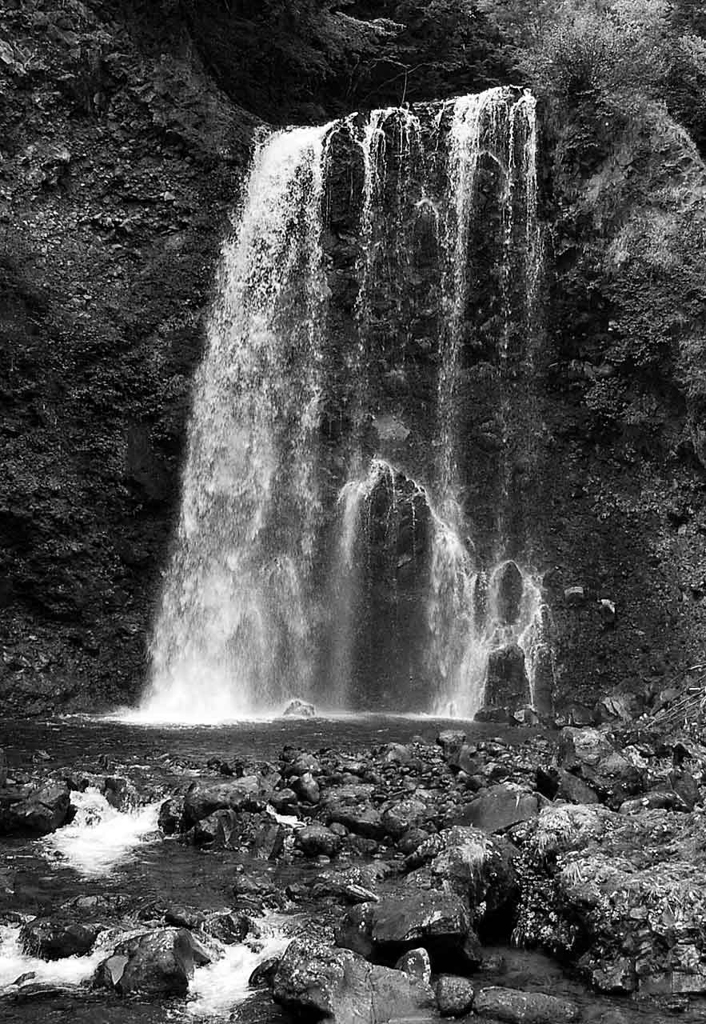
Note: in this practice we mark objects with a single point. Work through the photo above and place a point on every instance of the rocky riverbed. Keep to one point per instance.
(519, 876)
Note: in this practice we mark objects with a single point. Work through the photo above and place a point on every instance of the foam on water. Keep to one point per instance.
(71, 970)
(100, 838)
(216, 988)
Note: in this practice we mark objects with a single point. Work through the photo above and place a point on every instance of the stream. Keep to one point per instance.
(113, 853)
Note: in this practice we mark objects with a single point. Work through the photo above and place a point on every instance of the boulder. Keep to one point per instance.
(302, 763)
(158, 963)
(339, 986)
(591, 755)
(400, 816)
(215, 830)
(307, 788)
(558, 784)
(515, 1007)
(317, 840)
(299, 709)
(454, 995)
(205, 796)
(228, 927)
(170, 815)
(450, 741)
(397, 753)
(621, 896)
(439, 922)
(36, 812)
(481, 870)
(284, 801)
(56, 937)
(417, 963)
(498, 807)
(350, 806)
(686, 788)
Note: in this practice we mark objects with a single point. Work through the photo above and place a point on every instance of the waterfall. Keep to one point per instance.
(238, 617)
(327, 544)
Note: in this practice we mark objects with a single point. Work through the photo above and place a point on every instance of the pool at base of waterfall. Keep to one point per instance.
(111, 866)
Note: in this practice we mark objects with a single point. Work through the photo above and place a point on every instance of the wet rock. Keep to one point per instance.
(417, 963)
(37, 812)
(185, 917)
(506, 681)
(302, 764)
(204, 797)
(119, 792)
(437, 921)
(510, 587)
(317, 840)
(499, 715)
(465, 758)
(299, 709)
(397, 753)
(307, 788)
(525, 717)
(228, 927)
(558, 784)
(686, 788)
(264, 973)
(53, 938)
(515, 1007)
(351, 806)
(450, 741)
(499, 807)
(170, 816)
(159, 963)
(654, 800)
(575, 596)
(614, 710)
(284, 801)
(340, 986)
(454, 995)
(411, 840)
(622, 896)
(216, 830)
(402, 815)
(590, 754)
(607, 612)
(481, 869)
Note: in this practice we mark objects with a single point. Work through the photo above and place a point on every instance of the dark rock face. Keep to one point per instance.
(159, 963)
(36, 812)
(507, 682)
(383, 931)
(134, 166)
(340, 986)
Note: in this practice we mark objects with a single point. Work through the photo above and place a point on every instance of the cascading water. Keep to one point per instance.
(381, 263)
(238, 617)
